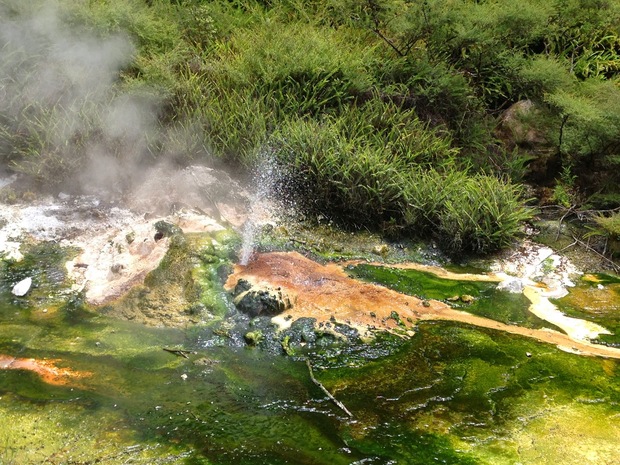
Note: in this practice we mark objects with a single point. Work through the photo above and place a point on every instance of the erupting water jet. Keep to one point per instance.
(267, 204)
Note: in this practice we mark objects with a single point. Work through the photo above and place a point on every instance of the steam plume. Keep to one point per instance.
(61, 110)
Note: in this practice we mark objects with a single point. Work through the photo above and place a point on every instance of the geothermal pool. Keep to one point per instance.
(452, 393)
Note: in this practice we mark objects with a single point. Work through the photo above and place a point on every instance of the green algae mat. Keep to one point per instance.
(451, 394)
(81, 388)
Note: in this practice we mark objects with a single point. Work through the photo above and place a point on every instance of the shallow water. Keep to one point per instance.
(452, 394)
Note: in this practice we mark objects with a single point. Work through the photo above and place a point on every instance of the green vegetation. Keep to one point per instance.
(452, 392)
(391, 112)
(187, 285)
(607, 227)
(456, 380)
(479, 298)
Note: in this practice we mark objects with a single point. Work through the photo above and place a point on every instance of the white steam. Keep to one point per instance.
(59, 94)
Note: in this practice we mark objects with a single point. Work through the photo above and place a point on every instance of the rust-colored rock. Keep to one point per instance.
(325, 292)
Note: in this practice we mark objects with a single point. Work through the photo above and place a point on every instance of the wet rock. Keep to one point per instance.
(205, 361)
(165, 229)
(22, 287)
(130, 237)
(302, 331)
(253, 338)
(223, 271)
(511, 285)
(466, 298)
(255, 301)
(396, 317)
(242, 286)
(117, 268)
(350, 334)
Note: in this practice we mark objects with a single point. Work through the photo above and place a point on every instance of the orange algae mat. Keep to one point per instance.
(46, 369)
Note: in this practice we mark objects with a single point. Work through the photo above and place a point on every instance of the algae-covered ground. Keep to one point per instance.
(479, 298)
(468, 395)
(452, 393)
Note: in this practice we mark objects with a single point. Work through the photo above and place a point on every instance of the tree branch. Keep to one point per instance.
(324, 389)
(389, 42)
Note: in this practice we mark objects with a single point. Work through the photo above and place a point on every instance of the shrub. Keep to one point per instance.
(341, 177)
(297, 68)
(607, 227)
(344, 173)
(437, 92)
(235, 125)
(544, 74)
(609, 224)
(480, 214)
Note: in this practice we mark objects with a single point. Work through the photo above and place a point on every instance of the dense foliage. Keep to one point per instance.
(392, 113)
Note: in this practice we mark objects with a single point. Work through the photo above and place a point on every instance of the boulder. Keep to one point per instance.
(521, 129)
(264, 301)
(516, 127)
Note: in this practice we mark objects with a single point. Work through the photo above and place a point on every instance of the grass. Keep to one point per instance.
(404, 181)
(371, 139)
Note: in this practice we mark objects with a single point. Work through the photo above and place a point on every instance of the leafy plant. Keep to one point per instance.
(364, 182)
(607, 227)
(481, 214)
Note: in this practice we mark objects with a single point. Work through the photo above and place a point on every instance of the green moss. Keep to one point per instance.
(44, 262)
(39, 432)
(487, 301)
(477, 393)
(322, 239)
(460, 394)
(413, 447)
(187, 286)
(253, 338)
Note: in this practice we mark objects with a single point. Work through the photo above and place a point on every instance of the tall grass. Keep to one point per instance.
(372, 139)
(403, 188)
(480, 214)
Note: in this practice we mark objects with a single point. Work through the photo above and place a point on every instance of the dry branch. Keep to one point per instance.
(178, 352)
(324, 389)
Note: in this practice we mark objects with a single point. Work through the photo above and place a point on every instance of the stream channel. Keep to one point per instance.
(89, 388)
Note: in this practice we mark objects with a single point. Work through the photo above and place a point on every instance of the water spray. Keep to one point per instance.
(268, 204)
